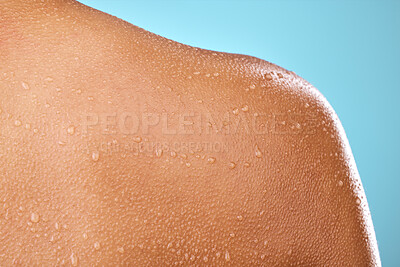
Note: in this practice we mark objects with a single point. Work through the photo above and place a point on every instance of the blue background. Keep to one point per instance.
(349, 50)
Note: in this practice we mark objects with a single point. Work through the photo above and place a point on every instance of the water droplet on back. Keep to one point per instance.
(258, 152)
(159, 152)
(25, 85)
(227, 256)
(232, 165)
(137, 139)
(74, 259)
(71, 130)
(95, 156)
(35, 217)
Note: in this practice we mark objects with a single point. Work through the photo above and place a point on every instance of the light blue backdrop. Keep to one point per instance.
(349, 50)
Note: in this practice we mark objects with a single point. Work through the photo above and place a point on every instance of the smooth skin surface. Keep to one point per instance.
(120, 147)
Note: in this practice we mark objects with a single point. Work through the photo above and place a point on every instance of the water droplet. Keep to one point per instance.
(35, 130)
(71, 130)
(48, 79)
(96, 246)
(74, 259)
(265, 243)
(240, 217)
(216, 74)
(246, 164)
(306, 105)
(211, 160)
(340, 183)
(205, 258)
(173, 154)
(268, 76)
(35, 217)
(227, 256)
(232, 234)
(27, 126)
(137, 139)
(232, 165)
(245, 108)
(25, 85)
(358, 201)
(188, 164)
(58, 89)
(159, 152)
(235, 111)
(218, 254)
(17, 123)
(95, 156)
(121, 250)
(252, 86)
(85, 236)
(258, 152)
(57, 225)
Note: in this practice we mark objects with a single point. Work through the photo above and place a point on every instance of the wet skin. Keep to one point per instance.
(118, 146)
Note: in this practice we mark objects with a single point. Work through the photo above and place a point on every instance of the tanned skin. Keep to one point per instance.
(254, 167)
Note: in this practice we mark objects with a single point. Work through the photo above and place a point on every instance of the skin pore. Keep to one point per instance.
(121, 147)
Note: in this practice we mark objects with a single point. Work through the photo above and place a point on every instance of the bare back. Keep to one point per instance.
(118, 146)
